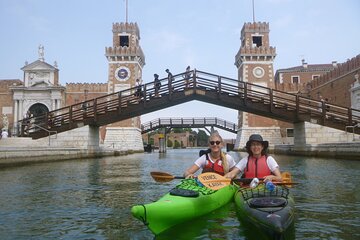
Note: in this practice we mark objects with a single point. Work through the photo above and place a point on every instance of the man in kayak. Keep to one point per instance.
(258, 164)
(214, 161)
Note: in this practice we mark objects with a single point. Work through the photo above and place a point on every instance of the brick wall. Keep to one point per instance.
(335, 85)
(6, 99)
(77, 92)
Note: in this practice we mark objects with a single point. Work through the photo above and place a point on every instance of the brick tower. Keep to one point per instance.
(126, 61)
(254, 62)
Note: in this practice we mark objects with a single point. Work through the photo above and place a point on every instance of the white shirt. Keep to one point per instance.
(272, 164)
(4, 134)
(201, 161)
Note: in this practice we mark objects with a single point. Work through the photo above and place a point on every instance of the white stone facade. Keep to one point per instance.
(123, 139)
(312, 134)
(355, 93)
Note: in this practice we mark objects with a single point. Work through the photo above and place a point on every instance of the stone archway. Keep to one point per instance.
(38, 109)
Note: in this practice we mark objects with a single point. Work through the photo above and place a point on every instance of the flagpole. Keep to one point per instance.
(253, 5)
(126, 7)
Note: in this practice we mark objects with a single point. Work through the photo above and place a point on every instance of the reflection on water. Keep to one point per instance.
(91, 199)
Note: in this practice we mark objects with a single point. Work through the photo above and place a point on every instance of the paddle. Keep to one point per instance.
(163, 177)
(286, 178)
(167, 177)
(215, 181)
(210, 180)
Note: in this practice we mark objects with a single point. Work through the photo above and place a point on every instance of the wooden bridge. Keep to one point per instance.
(188, 123)
(203, 86)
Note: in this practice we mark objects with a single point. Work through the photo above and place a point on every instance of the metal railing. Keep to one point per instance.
(46, 130)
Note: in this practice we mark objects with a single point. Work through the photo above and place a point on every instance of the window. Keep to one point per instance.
(124, 41)
(314, 77)
(289, 132)
(295, 79)
(257, 41)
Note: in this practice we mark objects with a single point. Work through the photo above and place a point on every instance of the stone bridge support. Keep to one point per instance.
(86, 138)
(308, 134)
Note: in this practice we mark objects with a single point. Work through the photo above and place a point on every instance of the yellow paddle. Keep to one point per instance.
(215, 181)
(210, 180)
(163, 177)
(286, 178)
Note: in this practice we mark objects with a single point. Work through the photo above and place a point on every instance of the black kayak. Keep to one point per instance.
(271, 211)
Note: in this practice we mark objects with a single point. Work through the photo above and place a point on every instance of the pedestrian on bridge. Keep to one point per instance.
(170, 79)
(138, 91)
(214, 161)
(170, 76)
(187, 77)
(157, 84)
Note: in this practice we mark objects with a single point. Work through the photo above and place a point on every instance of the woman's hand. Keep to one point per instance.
(190, 176)
(272, 178)
(189, 173)
(230, 175)
(233, 173)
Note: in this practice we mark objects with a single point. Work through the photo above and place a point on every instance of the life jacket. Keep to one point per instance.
(216, 167)
(256, 167)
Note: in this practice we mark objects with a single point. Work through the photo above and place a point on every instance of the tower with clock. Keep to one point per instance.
(126, 61)
(254, 62)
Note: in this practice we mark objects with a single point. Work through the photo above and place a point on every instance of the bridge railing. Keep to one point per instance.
(79, 113)
(188, 122)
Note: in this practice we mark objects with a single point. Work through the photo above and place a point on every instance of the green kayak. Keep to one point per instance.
(271, 211)
(186, 201)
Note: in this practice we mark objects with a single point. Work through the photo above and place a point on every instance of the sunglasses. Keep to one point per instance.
(213, 142)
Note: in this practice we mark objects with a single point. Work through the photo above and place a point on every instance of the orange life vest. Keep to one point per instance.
(216, 167)
(256, 167)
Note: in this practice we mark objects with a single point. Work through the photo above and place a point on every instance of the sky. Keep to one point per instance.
(204, 34)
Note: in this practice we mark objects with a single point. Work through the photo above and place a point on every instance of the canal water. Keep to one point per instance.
(91, 199)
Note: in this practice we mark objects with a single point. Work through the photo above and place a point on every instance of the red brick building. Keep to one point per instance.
(296, 79)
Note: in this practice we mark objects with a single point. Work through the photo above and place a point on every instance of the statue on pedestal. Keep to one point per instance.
(5, 122)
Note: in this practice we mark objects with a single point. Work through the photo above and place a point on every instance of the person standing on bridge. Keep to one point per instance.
(170, 76)
(214, 161)
(258, 164)
(187, 77)
(138, 91)
(170, 79)
(157, 84)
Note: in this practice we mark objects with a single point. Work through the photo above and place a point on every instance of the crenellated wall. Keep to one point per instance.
(336, 84)
(342, 69)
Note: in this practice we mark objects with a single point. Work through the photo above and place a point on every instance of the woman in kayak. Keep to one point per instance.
(258, 164)
(214, 161)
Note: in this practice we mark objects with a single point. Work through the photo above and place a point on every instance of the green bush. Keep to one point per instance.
(176, 144)
(169, 143)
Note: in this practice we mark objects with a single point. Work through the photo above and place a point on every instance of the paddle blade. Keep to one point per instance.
(213, 181)
(161, 176)
(286, 178)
